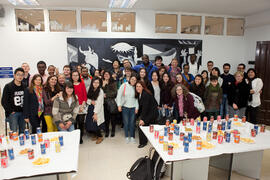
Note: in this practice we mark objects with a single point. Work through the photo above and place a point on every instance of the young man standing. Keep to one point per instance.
(86, 78)
(228, 80)
(66, 71)
(158, 61)
(41, 67)
(147, 65)
(210, 65)
(12, 101)
(242, 67)
(26, 78)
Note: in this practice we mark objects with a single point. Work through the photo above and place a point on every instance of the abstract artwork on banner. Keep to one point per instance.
(100, 52)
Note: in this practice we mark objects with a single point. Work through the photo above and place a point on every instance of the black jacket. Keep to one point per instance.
(148, 108)
(239, 94)
(12, 98)
(30, 105)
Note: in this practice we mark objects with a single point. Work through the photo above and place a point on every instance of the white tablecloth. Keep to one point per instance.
(65, 161)
(262, 141)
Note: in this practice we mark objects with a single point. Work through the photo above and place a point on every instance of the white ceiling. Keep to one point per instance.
(222, 7)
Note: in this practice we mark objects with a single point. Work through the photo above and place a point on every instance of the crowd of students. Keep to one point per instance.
(77, 99)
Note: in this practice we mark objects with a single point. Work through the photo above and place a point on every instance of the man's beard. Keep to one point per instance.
(146, 63)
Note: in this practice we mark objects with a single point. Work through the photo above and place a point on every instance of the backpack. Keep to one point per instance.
(147, 168)
(198, 103)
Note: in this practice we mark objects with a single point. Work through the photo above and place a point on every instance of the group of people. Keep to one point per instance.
(77, 99)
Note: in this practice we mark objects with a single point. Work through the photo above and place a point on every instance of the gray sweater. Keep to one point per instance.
(63, 112)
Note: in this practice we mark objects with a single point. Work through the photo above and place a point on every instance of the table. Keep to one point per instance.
(241, 157)
(64, 162)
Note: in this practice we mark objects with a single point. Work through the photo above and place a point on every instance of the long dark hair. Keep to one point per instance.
(32, 84)
(144, 88)
(145, 79)
(92, 93)
(204, 71)
(164, 85)
(111, 80)
(68, 84)
(216, 69)
(156, 73)
(75, 71)
(200, 76)
(252, 69)
(48, 88)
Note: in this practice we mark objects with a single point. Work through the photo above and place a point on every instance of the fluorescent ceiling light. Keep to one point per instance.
(24, 2)
(122, 3)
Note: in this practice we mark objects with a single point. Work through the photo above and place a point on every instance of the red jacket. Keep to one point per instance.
(80, 91)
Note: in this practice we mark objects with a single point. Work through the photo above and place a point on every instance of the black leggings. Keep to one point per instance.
(109, 119)
(80, 123)
(252, 114)
(35, 123)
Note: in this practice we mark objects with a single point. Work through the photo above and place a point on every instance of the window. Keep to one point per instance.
(191, 24)
(214, 25)
(235, 26)
(29, 20)
(63, 21)
(123, 22)
(95, 21)
(166, 23)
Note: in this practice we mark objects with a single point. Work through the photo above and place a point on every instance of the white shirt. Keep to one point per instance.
(257, 86)
(156, 92)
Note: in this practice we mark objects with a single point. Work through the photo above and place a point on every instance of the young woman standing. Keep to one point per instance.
(95, 114)
(65, 109)
(33, 105)
(80, 92)
(50, 93)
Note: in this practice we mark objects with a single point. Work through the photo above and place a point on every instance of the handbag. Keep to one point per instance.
(112, 106)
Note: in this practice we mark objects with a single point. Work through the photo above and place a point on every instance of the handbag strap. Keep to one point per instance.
(135, 165)
(124, 92)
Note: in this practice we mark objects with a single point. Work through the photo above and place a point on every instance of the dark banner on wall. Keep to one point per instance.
(100, 52)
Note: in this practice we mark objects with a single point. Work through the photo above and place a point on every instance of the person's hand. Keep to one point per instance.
(81, 109)
(62, 126)
(56, 71)
(114, 76)
(252, 91)
(69, 123)
(119, 108)
(235, 106)
(183, 53)
(26, 120)
(170, 108)
(199, 54)
(104, 95)
(141, 123)
(95, 117)
(136, 111)
(93, 103)
(13, 113)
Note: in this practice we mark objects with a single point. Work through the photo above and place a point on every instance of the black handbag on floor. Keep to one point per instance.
(147, 168)
(142, 169)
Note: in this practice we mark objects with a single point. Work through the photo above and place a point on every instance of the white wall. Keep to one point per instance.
(18, 47)
(257, 29)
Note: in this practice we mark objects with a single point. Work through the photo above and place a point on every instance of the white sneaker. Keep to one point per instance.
(132, 140)
(127, 140)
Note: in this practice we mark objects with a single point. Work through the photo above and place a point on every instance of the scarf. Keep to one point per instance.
(38, 91)
(181, 105)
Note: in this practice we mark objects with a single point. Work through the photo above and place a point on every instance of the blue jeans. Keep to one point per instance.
(224, 106)
(71, 128)
(16, 122)
(128, 115)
